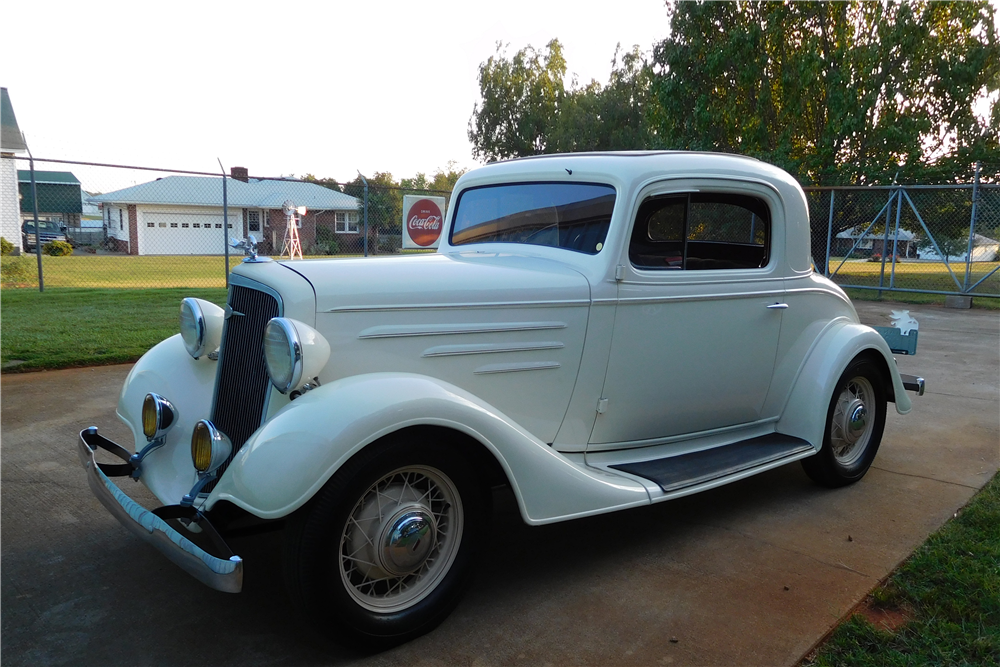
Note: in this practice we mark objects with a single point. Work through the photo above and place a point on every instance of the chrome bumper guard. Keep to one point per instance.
(912, 383)
(222, 574)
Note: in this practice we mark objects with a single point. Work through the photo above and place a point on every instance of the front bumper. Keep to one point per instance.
(222, 574)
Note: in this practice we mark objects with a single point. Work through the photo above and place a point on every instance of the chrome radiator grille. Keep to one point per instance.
(242, 385)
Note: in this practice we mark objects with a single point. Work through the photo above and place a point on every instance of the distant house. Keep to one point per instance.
(11, 143)
(984, 249)
(870, 244)
(59, 197)
(182, 215)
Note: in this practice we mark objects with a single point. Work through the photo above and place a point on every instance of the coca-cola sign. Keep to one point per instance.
(423, 221)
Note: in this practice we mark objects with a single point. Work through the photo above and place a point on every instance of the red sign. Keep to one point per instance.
(424, 222)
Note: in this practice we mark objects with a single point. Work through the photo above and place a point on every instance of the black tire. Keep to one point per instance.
(344, 585)
(848, 450)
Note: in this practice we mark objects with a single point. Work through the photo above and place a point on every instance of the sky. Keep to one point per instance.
(325, 88)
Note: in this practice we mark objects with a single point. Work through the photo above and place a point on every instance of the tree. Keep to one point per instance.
(520, 97)
(526, 108)
(833, 92)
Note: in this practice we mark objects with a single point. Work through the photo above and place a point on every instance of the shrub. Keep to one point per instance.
(18, 271)
(57, 248)
(6, 247)
(326, 241)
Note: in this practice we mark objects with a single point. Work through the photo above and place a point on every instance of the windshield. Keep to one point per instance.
(44, 225)
(574, 216)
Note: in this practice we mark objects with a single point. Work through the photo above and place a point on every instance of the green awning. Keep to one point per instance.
(58, 191)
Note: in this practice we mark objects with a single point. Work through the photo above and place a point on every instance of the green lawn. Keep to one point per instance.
(917, 275)
(63, 327)
(947, 596)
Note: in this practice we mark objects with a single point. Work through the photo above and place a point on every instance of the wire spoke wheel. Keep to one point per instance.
(401, 538)
(853, 421)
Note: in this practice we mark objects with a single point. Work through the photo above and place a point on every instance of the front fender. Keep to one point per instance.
(804, 415)
(168, 370)
(292, 456)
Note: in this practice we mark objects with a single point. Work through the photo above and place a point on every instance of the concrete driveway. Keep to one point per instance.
(753, 573)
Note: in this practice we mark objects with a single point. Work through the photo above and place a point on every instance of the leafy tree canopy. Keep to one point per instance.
(835, 93)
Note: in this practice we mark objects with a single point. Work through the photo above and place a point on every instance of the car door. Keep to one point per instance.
(698, 314)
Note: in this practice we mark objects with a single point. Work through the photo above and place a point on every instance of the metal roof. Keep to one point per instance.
(11, 140)
(56, 177)
(199, 191)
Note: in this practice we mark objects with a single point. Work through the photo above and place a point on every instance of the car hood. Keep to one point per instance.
(440, 280)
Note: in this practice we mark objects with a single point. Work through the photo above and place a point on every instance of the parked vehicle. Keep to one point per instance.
(597, 331)
(49, 231)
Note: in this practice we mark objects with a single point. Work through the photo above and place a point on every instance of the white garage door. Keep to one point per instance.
(186, 233)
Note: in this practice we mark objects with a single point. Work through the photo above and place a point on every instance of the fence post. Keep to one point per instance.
(895, 244)
(365, 181)
(38, 232)
(829, 237)
(885, 239)
(972, 229)
(225, 219)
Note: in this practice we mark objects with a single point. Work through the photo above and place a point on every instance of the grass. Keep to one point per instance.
(917, 275)
(61, 328)
(949, 590)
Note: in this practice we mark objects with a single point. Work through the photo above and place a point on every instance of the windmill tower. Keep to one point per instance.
(292, 245)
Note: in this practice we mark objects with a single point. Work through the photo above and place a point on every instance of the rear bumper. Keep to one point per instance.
(913, 383)
(222, 574)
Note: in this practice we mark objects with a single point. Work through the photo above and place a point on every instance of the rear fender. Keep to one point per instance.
(297, 451)
(804, 415)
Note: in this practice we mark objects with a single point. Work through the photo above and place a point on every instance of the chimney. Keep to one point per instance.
(240, 174)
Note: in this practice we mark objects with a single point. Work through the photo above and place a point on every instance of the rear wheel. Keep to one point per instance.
(385, 551)
(854, 426)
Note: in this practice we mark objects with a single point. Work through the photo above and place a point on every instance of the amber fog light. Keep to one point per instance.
(158, 415)
(209, 447)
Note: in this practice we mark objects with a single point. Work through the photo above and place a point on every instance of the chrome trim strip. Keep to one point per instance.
(517, 366)
(222, 575)
(700, 297)
(463, 306)
(488, 348)
(401, 330)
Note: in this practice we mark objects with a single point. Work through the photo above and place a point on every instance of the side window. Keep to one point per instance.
(701, 231)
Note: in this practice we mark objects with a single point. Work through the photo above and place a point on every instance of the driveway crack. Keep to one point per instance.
(932, 479)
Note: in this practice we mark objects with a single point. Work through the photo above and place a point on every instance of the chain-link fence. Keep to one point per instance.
(125, 227)
(114, 226)
(928, 239)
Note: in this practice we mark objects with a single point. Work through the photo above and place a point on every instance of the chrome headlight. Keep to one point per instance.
(201, 326)
(209, 447)
(158, 415)
(294, 353)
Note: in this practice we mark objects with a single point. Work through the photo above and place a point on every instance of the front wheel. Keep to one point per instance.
(386, 549)
(854, 425)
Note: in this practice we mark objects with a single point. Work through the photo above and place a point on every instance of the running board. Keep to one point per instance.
(678, 472)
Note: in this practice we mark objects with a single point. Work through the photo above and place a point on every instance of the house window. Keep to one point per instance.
(346, 222)
(196, 225)
(173, 225)
(162, 224)
(151, 224)
(185, 225)
(253, 221)
(121, 224)
(218, 225)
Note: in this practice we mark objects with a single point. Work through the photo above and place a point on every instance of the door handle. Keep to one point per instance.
(778, 306)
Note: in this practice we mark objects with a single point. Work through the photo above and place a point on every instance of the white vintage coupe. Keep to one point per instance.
(597, 331)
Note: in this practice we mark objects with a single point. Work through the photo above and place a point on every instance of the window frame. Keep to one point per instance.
(348, 222)
(722, 193)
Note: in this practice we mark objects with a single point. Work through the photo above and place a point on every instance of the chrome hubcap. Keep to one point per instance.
(852, 423)
(401, 539)
(408, 538)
